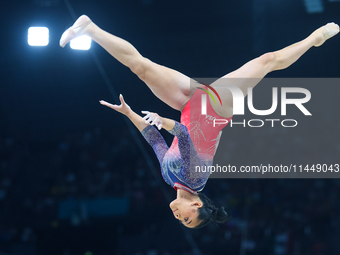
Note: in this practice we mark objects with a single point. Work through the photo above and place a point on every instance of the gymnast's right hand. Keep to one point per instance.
(153, 119)
(123, 108)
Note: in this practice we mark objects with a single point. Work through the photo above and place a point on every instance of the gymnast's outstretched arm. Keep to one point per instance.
(151, 135)
(187, 150)
(125, 109)
(137, 120)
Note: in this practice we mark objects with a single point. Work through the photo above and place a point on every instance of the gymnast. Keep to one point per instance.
(195, 142)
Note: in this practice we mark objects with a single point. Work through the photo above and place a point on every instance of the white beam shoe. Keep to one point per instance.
(76, 30)
(327, 31)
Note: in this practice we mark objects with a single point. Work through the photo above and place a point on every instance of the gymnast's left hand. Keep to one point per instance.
(123, 108)
(153, 119)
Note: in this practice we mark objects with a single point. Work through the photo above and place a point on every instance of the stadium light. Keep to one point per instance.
(81, 43)
(38, 36)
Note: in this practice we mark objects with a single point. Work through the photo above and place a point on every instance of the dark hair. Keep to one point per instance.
(209, 212)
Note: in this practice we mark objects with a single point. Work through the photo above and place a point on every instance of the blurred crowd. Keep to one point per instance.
(269, 216)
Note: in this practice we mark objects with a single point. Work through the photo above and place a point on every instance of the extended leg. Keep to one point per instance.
(252, 72)
(170, 86)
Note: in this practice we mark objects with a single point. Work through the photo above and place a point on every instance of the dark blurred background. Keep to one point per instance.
(73, 179)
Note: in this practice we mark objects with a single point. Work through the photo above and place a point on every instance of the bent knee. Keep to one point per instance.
(139, 66)
(268, 60)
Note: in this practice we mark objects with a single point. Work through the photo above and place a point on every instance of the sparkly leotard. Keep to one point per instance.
(194, 145)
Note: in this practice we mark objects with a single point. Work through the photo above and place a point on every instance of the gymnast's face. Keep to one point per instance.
(186, 211)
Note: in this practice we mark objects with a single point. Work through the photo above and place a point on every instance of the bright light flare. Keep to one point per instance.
(38, 36)
(81, 43)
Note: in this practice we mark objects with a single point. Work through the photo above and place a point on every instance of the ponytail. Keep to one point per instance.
(220, 215)
(209, 212)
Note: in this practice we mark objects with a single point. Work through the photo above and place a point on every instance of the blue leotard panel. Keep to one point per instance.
(178, 165)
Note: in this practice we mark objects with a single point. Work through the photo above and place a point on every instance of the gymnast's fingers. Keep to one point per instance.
(145, 112)
(155, 120)
(152, 117)
(147, 117)
(107, 104)
(121, 98)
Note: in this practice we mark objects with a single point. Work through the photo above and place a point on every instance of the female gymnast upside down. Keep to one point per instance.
(188, 150)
